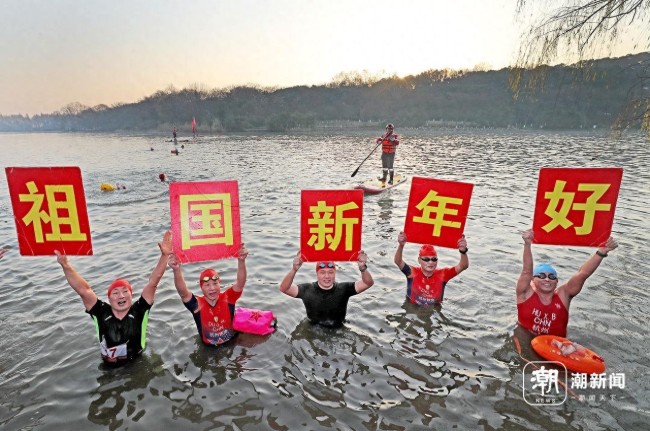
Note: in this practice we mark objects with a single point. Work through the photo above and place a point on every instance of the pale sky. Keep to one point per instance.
(55, 52)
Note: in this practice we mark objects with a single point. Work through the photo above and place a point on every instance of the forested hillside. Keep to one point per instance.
(572, 97)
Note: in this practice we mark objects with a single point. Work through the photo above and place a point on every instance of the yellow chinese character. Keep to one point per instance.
(439, 210)
(591, 206)
(206, 220)
(327, 230)
(564, 200)
(37, 217)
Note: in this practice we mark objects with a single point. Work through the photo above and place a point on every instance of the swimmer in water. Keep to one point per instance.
(326, 300)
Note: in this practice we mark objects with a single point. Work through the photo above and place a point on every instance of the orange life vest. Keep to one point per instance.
(389, 143)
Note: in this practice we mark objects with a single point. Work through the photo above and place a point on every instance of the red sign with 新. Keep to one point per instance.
(205, 220)
(437, 211)
(575, 206)
(330, 224)
(49, 210)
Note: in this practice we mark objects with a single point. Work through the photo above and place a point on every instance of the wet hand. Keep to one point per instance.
(401, 238)
(527, 236)
(611, 244)
(166, 244)
(62, 259)
(462, 244)
(243, 252)
(362, 259)
(173, 262)
(297, 261)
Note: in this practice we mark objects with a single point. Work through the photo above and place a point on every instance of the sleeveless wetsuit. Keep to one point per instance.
(551, 319)
(214, 323)
(424, 290)
(326, 307)
(123, 340)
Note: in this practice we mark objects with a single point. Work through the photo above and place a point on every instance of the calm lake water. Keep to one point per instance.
(393, 366)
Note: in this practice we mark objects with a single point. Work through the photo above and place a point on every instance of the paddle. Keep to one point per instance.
(373, 150)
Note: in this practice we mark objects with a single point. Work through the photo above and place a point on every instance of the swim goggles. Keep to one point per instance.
(429, 259)
(543, 276)
(214, 277)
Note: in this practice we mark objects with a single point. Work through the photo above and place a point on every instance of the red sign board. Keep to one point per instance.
(330, 224)
(437, 211)
(49, 210)
(575, 206)
(205, 220)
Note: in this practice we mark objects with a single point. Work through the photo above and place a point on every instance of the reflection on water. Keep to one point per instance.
(119, 390)
(393, 366)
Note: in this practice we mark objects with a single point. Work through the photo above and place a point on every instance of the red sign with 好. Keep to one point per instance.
(575, 206)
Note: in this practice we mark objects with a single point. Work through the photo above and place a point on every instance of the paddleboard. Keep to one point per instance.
(574, 356)
(374, 187)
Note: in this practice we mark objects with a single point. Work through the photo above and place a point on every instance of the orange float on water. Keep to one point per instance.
(574, 356)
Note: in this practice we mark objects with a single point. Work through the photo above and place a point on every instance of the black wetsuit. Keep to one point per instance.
(120, 340)
(326, 307)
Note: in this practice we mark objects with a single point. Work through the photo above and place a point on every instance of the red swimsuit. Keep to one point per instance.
(551, 319)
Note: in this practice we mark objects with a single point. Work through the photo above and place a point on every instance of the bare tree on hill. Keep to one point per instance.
(581, 29)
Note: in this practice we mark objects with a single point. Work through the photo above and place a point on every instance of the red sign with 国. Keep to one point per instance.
(205, 220)
(575, 206)
(437, 211)
(330, 224)
(49, 210)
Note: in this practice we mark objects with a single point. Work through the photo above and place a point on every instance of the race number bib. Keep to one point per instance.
(112, 353)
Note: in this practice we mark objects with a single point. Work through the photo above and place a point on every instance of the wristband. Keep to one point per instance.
(601, 254)
(463, 252)
(363, 268)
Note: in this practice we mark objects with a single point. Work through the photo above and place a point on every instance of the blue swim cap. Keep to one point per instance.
(544, 267)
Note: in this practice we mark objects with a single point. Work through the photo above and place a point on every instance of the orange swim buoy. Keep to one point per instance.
(574, 356)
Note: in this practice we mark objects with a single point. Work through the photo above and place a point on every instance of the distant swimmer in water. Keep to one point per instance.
(162, 177)
(108, 187)
(151, 148)
(2, 252)
(175, 152)
(325, 300)
(120, 324)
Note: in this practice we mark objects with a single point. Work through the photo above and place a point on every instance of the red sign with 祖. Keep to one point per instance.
(330, 224)
(437, 211)
(49, 210)
(205, 220)
(575, 206)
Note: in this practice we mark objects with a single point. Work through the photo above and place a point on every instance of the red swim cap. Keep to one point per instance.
(427, 250)
(120, 282)
(207, 274)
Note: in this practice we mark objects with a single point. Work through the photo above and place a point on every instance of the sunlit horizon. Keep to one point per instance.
(66, 52)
